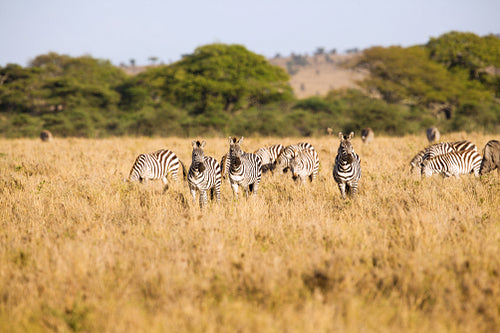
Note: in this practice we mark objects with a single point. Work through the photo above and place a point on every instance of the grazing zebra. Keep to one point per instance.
(204, 175)
(367, 135)
(433, 134)
(46, 136)
(347, 169)
(452, 164)
(245, 168)
(283, 161)
(491, 157)
(224, 165)
(439, 149)
(156, 165)
(269, 156)
(304, 163)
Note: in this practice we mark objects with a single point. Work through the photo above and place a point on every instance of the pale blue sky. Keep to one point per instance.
(125, 29)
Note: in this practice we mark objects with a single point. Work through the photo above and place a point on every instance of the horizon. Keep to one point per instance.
(121, 31)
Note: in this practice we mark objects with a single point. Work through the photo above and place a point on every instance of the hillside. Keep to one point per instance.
(311, 76)
(316, 75)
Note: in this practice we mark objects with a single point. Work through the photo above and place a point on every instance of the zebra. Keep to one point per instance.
(367, 135)
(224, 165)
(439, 149)
(204, 174)
(433, 134)
(156, 165)
(453, 164)
(283, 160)
(304, 163)
(347, 169)
(269, 156)
(245, 168)
(491, 157)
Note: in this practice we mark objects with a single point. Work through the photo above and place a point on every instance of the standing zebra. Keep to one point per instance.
(245, 168)
(439, 149)
(156, 165)
(283, 160)
(304, 163)
(453, 164)
(269, 156)
(347, 169)
(204, 175)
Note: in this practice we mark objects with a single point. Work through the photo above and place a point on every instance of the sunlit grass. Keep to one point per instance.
(81, 250)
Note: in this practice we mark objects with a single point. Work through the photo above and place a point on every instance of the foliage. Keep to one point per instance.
(224, 89)
(221, 77)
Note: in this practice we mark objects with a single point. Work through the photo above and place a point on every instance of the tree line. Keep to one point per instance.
(453, 82)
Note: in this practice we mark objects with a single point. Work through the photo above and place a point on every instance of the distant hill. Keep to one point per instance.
(318, 74)
(309, 75)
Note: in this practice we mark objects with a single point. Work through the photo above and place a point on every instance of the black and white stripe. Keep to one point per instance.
(304, 163)
(439, 149)
(283, 160)
(224, 165)
(204, 174)
(269, 156)
(157, 165)
(245, 168)
(347, 169)
(453, 164)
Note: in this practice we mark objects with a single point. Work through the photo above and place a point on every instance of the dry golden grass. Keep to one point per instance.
(83, 251)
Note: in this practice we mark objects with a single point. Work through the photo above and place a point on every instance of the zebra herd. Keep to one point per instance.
(244, 169)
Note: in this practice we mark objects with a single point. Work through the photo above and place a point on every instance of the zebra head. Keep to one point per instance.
(425, 170)
(296, 164)
(345, 148)
(235, 151)
(198, 155)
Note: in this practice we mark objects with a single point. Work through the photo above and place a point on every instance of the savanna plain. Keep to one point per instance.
(81, 250)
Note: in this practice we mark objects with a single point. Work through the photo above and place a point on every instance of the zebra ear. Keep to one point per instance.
(351, 135)
(240, 141)
(230, 140)
(194, 144)
(341, 136)
(203, 143)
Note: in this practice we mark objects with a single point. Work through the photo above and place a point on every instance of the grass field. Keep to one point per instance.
(80, 250)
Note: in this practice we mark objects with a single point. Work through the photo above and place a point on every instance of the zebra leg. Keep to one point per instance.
(353, 189)
(203, 198)
(255, 187)
(165, 182)
(217, 192)
(342, 190)
(193, 192)
(234, 187)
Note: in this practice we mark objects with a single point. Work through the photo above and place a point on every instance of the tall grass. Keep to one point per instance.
(80, 250)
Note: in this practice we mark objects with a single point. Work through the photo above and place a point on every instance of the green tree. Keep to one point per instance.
(219, 77)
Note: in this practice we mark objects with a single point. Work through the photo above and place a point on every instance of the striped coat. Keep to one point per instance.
(204, 175)
(347, 169)
(304, 163)
(269, 156)
(439, 149)
(244, 170)
(157, 165)
(453, 164)
(284, 158)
